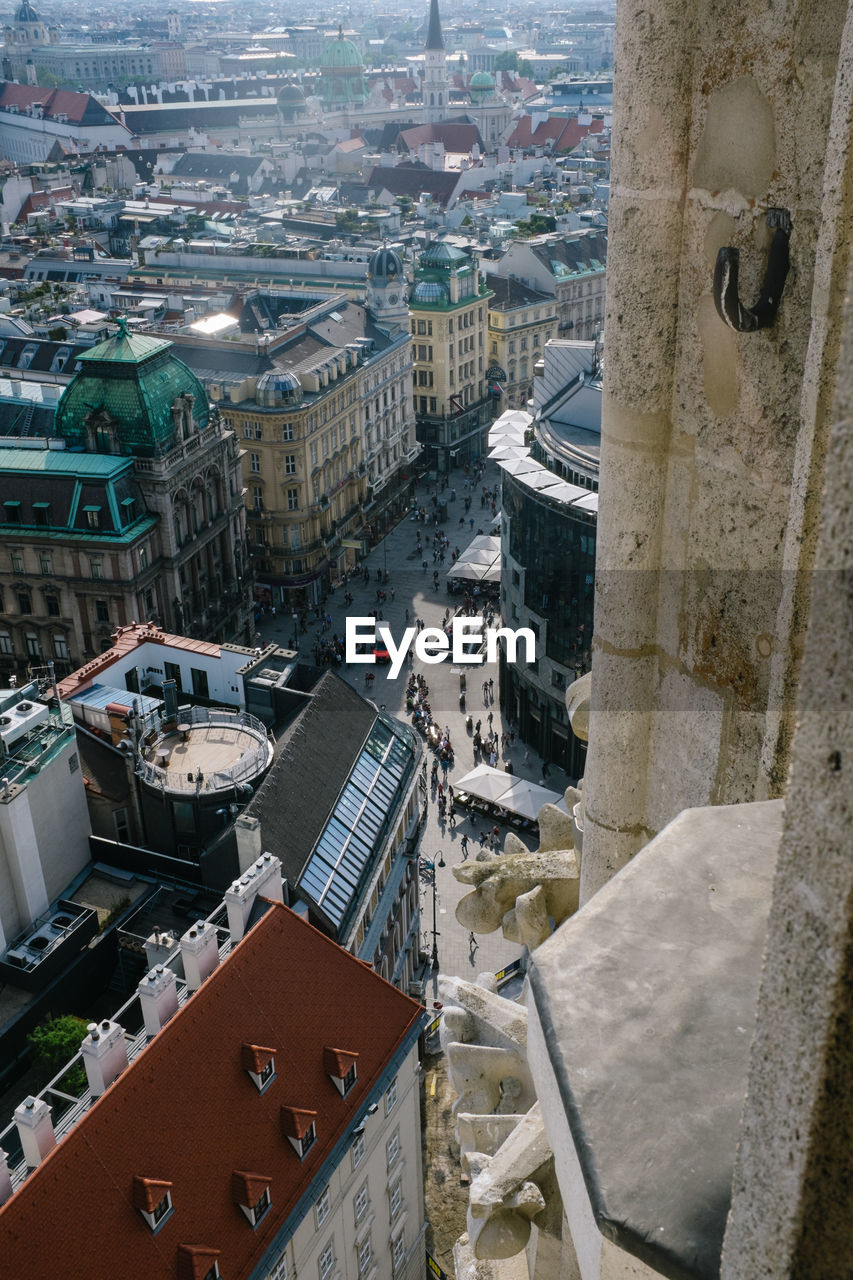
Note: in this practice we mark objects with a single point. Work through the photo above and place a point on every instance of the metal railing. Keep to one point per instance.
(246, 769)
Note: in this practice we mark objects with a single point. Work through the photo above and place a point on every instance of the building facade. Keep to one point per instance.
(521, 321)
(568, 267)
(548, 538)
(449, 324)
(133, 511)
(329, 443)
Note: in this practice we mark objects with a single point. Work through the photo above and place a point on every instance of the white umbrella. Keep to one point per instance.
(527, 798)
(520, 466)
(508, 451)
(484, 782)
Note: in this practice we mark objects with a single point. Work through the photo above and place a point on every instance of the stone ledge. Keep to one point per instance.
(646, 1002)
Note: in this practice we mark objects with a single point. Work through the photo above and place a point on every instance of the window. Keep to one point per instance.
(307, 1142)
(13, 512)
(349, 1079)
(322, 1207)
(102, 612)
(392, 1148)
(290, 464)
(396, 1199)
(6, 643)
(160, 1211)
(293, 499)
(360, 1204)
(358, 1144)
(398, 1252)
(255, 462)
(391, 1097)
(287, 431)
(97, 568)
(365, 1256)
(46, 565)
(41, 513)
(17, 562)
(327, 1260)
(93, 517)
(60, 646)
(33, 650)
(143, 558)
(279, 1271)
(25, 604)
(260, 1208)
(266, 1073)
(121, 826)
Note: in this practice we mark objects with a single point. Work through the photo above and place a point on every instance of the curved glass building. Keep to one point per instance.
(550, 509)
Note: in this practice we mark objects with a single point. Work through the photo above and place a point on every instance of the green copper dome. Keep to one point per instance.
(481, 86)
(132, 396)
(342, 81)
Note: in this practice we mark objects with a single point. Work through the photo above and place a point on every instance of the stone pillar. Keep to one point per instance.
(792, 1205)
(710, 437)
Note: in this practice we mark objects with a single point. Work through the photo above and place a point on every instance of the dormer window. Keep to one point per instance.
(197, 1262)
(341, 1066)
(259, 1062)
(251, 1194)
(153, 1199)
(299, 1127)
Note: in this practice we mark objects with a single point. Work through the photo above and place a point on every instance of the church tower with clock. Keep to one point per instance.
(387, 294)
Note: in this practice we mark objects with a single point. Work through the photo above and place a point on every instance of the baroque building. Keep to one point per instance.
(132, 511)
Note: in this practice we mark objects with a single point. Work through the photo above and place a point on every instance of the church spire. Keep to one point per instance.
(434, 40)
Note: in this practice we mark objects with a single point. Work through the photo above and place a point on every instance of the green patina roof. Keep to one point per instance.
(62, 462)
(134, 379)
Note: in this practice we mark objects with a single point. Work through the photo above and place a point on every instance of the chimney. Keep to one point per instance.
(158, 948)
(263, 877)
(200, 951)
(35, 1130)
(104, 1055)
(248, 832)
(5, 1178)
(158, 996)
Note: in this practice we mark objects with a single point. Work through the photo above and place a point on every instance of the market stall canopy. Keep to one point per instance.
(516, 795)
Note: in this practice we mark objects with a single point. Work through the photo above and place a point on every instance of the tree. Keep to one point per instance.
(525, 69)
(506, 61)
(56, 1040)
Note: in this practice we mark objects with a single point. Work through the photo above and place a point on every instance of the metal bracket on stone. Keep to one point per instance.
(730, 309)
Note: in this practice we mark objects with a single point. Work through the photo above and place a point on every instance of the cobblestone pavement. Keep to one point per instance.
(413, 590)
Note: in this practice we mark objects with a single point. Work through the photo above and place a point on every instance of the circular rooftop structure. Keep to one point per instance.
(429, 291)
(481, 86)
(281, 389)
(342, 81)
(26, 13)
(209, 754)
(290, 101)
(385, 265)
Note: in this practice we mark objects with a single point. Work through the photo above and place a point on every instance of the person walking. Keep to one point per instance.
(463, 844)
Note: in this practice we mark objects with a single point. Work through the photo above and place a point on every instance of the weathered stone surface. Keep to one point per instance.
(500, 881)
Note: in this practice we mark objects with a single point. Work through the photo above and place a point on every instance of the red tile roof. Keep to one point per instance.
(455, 137)
(185, 1112)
